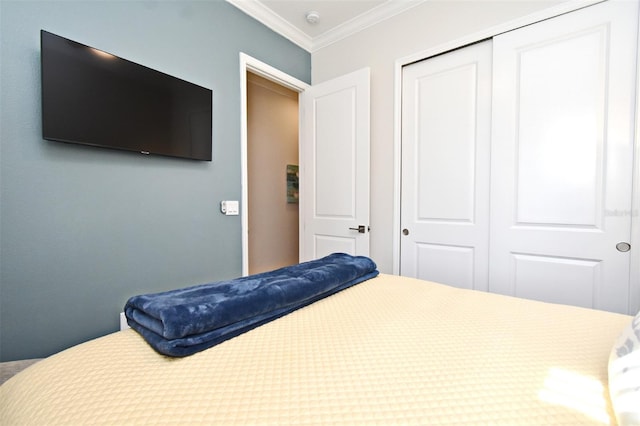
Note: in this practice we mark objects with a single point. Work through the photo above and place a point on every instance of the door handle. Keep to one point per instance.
(361, 229)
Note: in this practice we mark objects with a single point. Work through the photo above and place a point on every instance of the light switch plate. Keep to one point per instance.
(230, 208)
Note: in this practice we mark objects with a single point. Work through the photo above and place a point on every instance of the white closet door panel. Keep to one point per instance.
(445, 167)
(445, 153)
(562, 153)
(555, 279)
(562, 112)
(446, 264)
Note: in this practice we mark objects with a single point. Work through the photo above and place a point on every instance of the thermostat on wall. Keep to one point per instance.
(230, 208)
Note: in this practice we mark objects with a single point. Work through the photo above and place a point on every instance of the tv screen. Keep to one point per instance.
(91, 97)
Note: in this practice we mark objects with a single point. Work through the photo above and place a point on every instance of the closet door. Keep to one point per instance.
(562, 157)
(446, 124)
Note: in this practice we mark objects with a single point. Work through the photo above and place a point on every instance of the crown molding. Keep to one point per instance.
(374, 16)
(263, 14)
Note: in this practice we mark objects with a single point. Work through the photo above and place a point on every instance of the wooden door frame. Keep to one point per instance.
(248, 63)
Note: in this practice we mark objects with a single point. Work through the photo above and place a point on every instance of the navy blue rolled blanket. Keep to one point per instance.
(185, 321)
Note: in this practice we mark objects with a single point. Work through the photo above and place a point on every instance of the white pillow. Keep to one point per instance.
(624, 375)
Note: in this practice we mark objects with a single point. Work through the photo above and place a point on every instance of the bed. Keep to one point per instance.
(389, 350)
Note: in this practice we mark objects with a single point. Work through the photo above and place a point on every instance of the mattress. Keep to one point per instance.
(391, 350)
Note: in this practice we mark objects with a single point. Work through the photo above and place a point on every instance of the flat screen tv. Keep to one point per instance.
(91, 97)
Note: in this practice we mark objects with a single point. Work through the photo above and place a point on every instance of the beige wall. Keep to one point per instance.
(429, 25)
(272, 143)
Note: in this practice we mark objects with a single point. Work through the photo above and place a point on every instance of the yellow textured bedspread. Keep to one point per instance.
(391, 350)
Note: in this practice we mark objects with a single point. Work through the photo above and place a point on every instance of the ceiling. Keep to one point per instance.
(336, 19)
(331, 13)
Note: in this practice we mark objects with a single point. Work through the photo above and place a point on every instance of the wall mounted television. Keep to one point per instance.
(91, 97)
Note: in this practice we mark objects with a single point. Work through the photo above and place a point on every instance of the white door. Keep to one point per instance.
(334, 168)
(446, 124)
(562, 154)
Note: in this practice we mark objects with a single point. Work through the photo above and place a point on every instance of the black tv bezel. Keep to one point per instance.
(140, 67)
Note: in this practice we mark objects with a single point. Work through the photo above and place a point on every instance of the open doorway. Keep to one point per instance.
(272, 164)
(250, 65)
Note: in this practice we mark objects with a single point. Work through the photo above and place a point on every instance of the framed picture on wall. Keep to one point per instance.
(292, 183)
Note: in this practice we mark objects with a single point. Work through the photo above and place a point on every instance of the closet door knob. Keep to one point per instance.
(405, 231)
(623, 247)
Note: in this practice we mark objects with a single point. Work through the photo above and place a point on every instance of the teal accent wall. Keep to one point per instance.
(82, 229)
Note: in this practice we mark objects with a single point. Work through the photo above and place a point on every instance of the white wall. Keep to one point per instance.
(432, 24)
